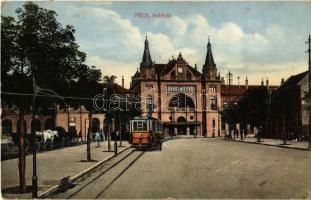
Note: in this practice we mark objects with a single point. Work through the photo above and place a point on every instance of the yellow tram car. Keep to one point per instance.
(146, 133)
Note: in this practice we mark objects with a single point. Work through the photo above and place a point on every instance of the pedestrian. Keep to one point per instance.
(97, 138)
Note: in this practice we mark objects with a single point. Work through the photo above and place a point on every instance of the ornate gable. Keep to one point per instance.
(179, 69)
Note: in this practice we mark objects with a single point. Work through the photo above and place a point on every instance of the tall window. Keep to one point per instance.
(149, 103)
(188, 75)
(173, 75)
(213, 103)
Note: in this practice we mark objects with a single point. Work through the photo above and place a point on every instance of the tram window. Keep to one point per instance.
(134, 126)
(144, 125)
(140, 125)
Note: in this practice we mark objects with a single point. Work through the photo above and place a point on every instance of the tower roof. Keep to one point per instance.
(146, 61)
(209, 60)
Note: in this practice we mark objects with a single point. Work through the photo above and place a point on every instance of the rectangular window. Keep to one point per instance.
(182, 88)
(212, 88)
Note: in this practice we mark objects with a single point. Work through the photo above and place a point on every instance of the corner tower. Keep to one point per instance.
(146, 60)
(209, 68)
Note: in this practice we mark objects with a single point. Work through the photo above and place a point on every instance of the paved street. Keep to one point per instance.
(51, 167)
(202, 168)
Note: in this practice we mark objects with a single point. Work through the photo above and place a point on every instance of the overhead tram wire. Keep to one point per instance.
(55, 96)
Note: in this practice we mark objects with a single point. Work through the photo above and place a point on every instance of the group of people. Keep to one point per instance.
(296, 137)
(236, 133)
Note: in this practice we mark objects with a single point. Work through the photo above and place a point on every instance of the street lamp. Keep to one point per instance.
(115, 143)
(36, 91)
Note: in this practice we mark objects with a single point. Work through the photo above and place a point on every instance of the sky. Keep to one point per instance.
(259, 40)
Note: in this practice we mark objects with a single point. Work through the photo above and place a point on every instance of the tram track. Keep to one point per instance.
(106, 171)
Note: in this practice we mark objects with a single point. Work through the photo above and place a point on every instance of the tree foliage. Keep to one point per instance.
(109, 79)
(35, 46)
(252, 108)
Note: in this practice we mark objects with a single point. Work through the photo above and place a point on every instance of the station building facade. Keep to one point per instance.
(185, 99)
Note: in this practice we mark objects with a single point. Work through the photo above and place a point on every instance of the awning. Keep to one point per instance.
(192, 123)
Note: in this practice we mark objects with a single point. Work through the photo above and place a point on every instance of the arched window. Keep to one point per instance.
(49, 124)
(173, 75)
(181, 101)
(188, 75)
(95, 125)
(6, 126)
(24, 126)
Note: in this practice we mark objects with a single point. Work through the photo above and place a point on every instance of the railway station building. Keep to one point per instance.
(185, 99)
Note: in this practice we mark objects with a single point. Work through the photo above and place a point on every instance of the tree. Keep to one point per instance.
(87, 86)
(36, 45)
(285, 105)
(15, 80)
(252, 108)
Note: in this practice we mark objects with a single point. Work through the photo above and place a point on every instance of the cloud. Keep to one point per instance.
(115, 44)
(114, 67)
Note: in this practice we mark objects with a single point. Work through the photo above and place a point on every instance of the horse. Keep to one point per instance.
(47, 135)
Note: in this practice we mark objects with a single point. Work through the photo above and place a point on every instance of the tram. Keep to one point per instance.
(146, 133)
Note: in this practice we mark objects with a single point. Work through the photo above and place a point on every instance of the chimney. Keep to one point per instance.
(262, 83)
(222, 80)
(267, 82)
(122, 81)
(282, 81)
(246, 83)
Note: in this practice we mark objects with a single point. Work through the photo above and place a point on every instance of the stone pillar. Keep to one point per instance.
(188, 130)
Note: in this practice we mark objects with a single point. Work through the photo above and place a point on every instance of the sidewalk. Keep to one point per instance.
(275, 142)
(51, 167)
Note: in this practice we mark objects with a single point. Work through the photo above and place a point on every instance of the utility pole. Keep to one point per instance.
(309, 92)
(229, 75)
(34, 152)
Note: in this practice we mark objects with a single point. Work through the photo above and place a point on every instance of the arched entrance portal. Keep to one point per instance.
(181, 129)
(35, 125)
(6, 126)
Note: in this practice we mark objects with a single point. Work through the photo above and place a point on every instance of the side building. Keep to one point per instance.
(70, 119)
(293, 116)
